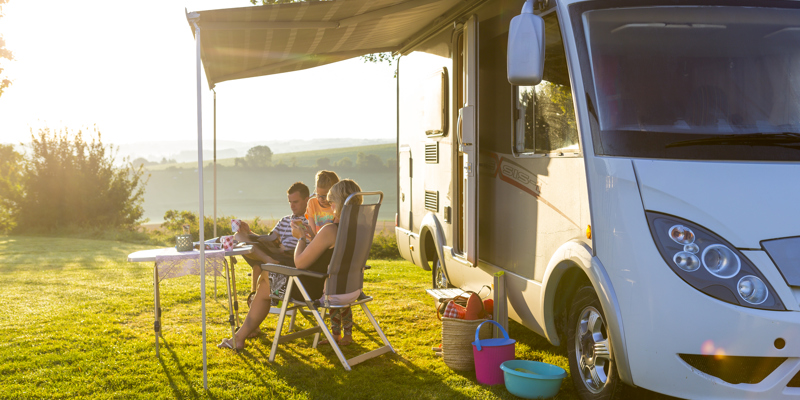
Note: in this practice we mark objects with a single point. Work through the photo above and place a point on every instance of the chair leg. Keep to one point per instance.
(376, 326)
(331, 341)
(282, 314)
(325, 330)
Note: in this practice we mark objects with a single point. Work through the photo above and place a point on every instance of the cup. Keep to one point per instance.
(235, 224)
(227, 243)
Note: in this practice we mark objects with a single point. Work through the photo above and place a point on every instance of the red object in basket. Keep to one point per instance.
(488, 305)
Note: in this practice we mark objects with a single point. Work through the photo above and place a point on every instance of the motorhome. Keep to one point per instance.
(633, 166)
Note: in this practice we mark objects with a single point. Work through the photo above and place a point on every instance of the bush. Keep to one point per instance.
(11, 185)
(384, 247)
(72, 184)
(174, 221)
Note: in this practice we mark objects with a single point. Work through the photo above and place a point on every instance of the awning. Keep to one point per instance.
(264, 40)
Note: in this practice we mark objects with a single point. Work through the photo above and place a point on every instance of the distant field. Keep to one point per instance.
(248, 193)
(304, 158)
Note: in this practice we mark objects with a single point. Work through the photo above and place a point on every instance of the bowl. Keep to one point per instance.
(532, 379)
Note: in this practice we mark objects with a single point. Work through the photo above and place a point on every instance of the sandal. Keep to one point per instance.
(227, 343)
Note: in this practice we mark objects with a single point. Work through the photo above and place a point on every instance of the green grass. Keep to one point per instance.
(77, 322)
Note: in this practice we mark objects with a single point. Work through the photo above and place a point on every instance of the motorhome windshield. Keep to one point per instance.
(693, 82)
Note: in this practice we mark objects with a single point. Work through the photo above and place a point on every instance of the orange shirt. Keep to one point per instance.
(318, 215)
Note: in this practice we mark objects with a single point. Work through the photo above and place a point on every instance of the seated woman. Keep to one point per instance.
(314, 256)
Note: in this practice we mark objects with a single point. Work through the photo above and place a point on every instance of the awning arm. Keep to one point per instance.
(265, 70)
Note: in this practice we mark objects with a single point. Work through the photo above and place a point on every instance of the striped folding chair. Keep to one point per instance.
(343, 282)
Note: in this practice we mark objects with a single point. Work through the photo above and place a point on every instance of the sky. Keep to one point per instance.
(129, 68)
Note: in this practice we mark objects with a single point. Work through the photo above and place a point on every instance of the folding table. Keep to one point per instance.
(180, 264)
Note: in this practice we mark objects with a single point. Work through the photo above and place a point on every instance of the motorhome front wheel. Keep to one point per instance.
(591, 360)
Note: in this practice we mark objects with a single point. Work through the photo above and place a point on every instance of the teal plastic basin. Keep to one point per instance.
(532, 379)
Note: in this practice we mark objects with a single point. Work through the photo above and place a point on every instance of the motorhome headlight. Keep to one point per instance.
(721, 261)
(686, 261)
(681, 235)
(753, 290)
(726, 274)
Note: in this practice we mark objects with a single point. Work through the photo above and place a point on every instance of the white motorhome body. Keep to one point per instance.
(641, 199)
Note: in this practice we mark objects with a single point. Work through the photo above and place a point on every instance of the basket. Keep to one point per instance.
(457, 338)
(184, 243)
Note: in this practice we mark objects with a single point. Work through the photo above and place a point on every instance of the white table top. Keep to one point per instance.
(150, 254)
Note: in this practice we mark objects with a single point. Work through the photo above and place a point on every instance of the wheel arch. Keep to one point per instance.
(431, 240)
(571, 265)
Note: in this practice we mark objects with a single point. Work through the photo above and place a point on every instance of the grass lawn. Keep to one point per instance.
(77, 321)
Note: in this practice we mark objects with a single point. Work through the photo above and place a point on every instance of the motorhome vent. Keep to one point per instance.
(432, 201)
(732, 369)
(432, 153)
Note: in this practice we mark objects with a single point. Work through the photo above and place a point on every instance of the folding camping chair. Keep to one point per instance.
(345, 276)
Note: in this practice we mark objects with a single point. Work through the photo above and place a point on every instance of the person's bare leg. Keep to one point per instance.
(262, 257)
(258, 311)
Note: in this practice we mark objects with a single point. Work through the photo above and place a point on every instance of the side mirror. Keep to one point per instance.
(526, 48)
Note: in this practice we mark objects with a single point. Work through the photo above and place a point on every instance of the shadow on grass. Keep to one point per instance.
(322, 375)
(181, 371)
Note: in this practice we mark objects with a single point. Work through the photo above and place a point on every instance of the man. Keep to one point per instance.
(267, 252)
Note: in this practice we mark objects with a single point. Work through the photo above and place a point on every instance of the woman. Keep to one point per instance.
(314, 256)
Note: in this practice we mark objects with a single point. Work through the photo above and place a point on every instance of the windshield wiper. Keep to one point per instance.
(780, 139)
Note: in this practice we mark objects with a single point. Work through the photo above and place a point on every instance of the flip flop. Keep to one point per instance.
(227, 343)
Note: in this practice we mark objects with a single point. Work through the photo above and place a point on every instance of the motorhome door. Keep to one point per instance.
(466, 77)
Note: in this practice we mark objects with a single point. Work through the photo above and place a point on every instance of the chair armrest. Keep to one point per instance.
(291, 271)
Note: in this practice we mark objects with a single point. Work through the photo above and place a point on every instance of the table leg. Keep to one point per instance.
(235, 292)
(156, 307)
(230, 302)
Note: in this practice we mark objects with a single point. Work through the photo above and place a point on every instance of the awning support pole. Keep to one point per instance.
(215, 163)
(202, 211)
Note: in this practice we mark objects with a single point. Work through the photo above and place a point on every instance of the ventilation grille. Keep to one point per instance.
(432, 153)
(432, 201)
(735, 370)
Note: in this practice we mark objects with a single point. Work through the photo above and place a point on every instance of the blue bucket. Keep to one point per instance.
(532, 379)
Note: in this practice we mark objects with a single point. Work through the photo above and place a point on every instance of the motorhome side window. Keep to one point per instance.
(545, 117)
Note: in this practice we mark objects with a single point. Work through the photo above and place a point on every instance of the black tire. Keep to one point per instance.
(591, 358)
(438, 277)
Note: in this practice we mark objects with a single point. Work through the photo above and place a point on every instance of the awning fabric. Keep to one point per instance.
(264, 40)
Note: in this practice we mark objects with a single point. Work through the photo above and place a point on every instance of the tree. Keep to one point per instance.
(11, 184)
(369, 162)
(259, 156)
(143, 161)
(4, 54)
(345, 163)
(71, 183)
(324, 163)
(391, 164)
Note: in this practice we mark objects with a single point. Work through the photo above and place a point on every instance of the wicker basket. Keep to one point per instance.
(457, 338)
(183, 243)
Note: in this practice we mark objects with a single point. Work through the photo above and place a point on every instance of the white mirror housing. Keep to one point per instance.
(526, 48)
